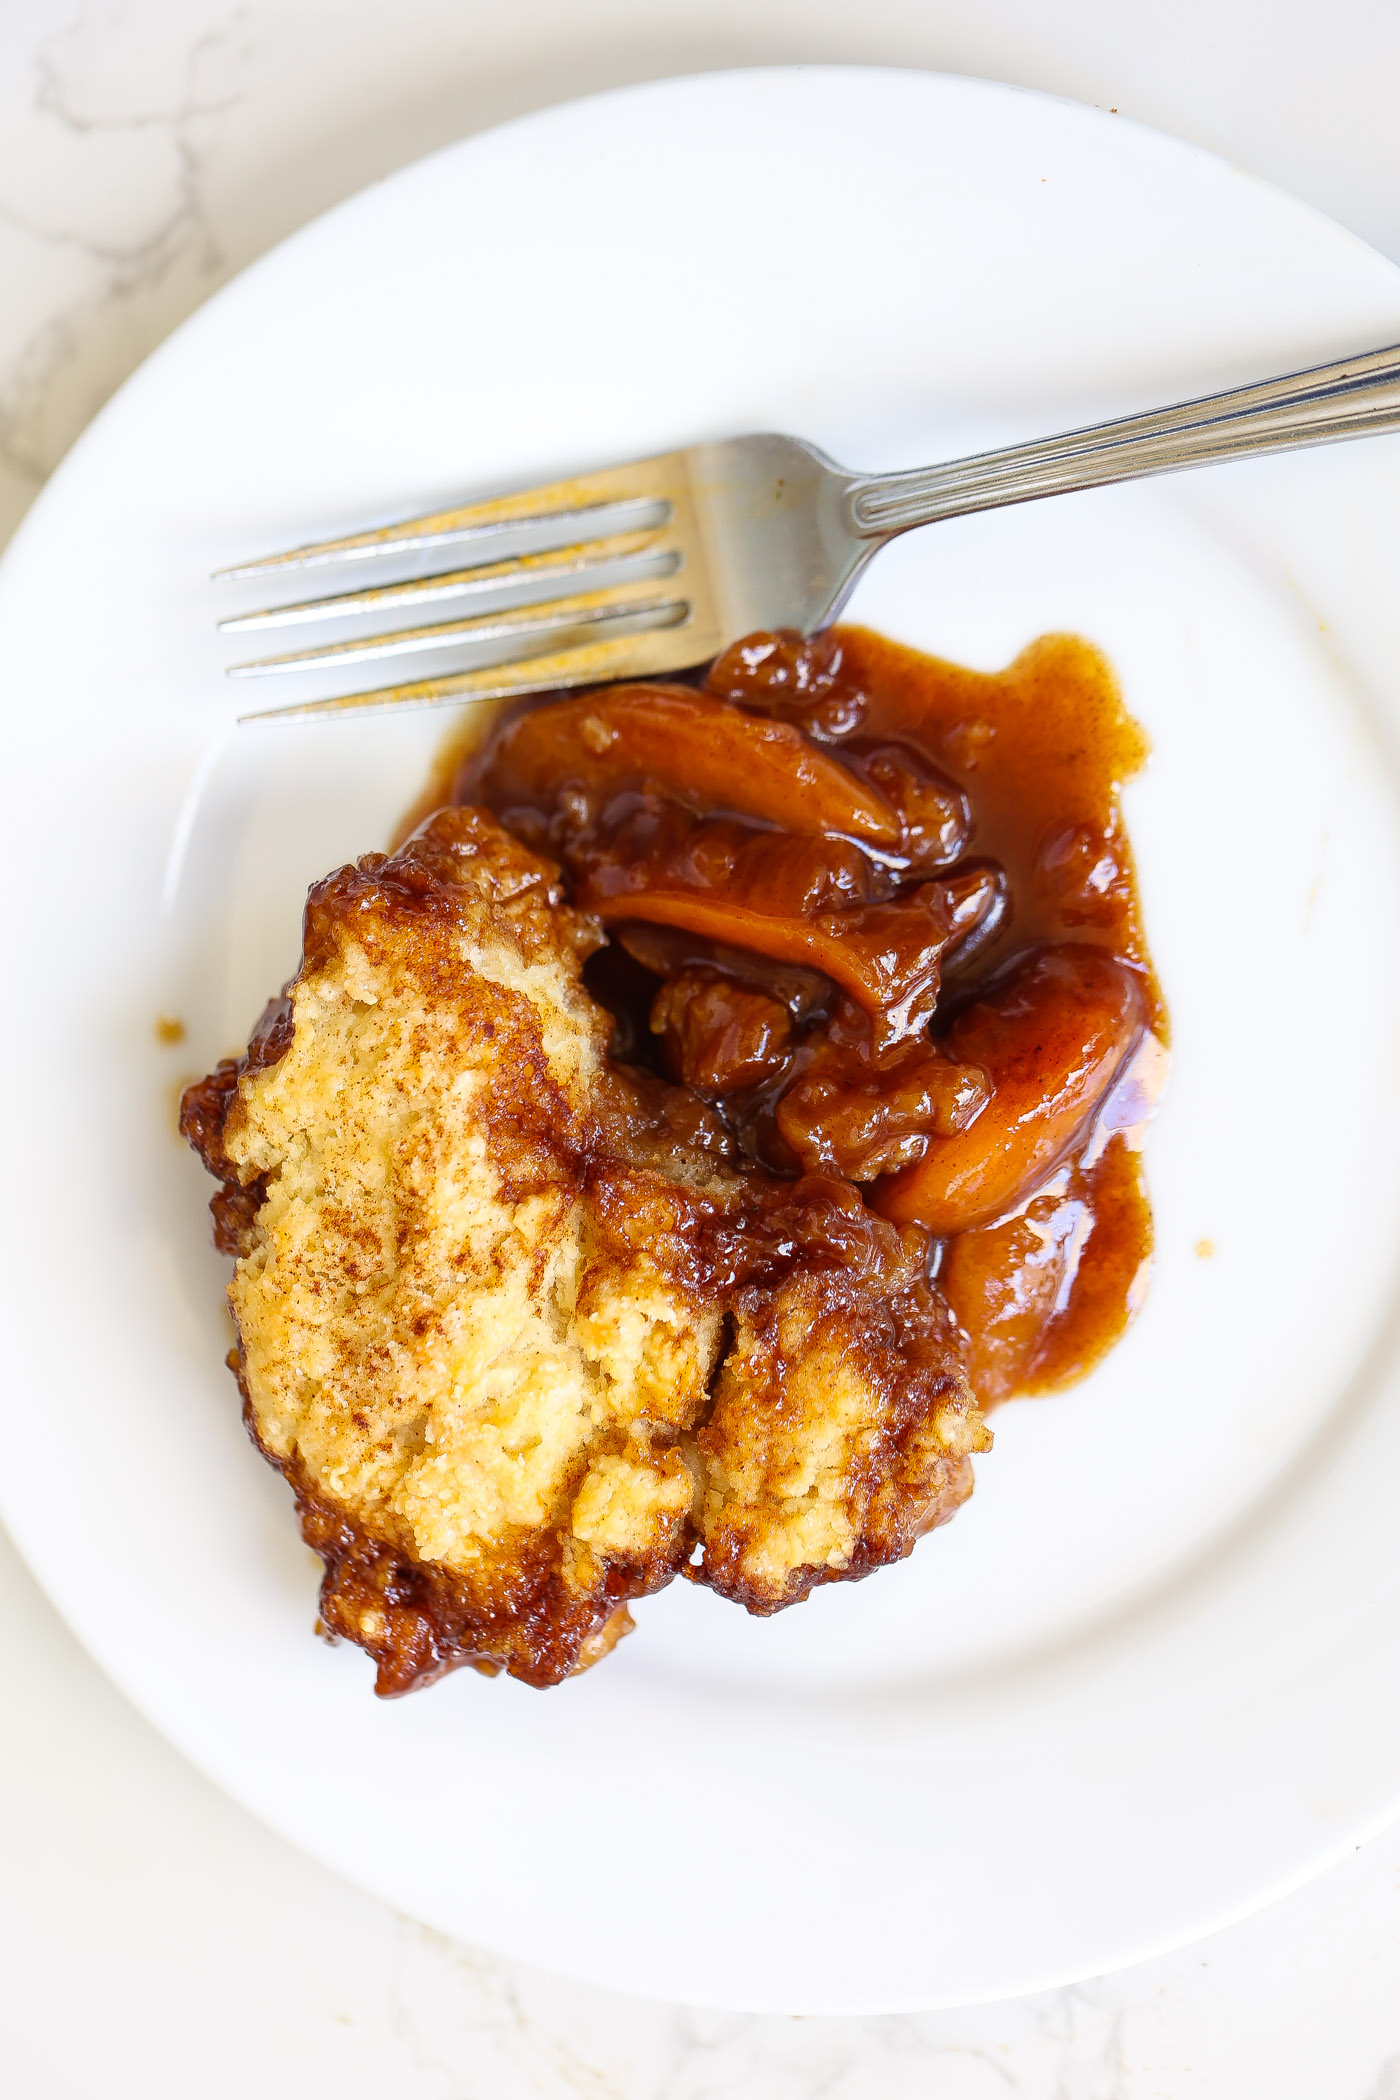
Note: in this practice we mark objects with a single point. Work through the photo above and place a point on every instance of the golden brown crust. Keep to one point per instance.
(515, 1329)
(842, 1428)
(418, 1622)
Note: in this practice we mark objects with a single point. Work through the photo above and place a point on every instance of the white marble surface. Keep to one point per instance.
(152, 1938)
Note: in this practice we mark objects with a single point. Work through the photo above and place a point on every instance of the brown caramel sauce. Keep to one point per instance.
(740, 991)
(1041, 749)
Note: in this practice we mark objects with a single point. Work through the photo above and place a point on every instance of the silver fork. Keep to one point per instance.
(641, 570)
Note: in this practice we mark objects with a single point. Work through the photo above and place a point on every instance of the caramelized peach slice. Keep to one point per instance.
(885, 957)
(703, 752)
(1051, 1038)
(829, 943)
(1045, 1294)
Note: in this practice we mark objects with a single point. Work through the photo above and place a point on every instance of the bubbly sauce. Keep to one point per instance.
(879, 914)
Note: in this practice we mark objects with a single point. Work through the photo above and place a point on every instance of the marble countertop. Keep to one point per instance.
(152, 1937)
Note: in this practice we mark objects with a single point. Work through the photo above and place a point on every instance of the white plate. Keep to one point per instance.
(1152, 1675)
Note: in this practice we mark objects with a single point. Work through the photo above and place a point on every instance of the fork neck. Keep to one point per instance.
(1354, 397)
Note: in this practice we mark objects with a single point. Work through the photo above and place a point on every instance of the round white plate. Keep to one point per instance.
(1151, 1676)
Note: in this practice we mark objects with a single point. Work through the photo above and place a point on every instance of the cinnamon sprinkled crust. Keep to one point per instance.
(521, 1336)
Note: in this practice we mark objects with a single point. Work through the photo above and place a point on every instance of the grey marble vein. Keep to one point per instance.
(73, 358)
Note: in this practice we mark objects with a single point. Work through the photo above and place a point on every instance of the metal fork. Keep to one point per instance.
(641, 570)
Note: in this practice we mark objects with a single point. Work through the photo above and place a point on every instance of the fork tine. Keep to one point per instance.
(637, 554)
(558, 514)
(637, 641)
(564, 612)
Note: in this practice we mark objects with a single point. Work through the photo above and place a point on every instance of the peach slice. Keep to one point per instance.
(707, 754)
(1051, 1038)
(885, 957)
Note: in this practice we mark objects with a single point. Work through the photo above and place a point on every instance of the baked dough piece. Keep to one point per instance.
(499, 1302)
(840, 1429)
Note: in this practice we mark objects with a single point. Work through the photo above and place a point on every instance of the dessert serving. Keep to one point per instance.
(661, 1163)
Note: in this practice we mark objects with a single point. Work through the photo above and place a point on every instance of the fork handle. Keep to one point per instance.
(1356, 397)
